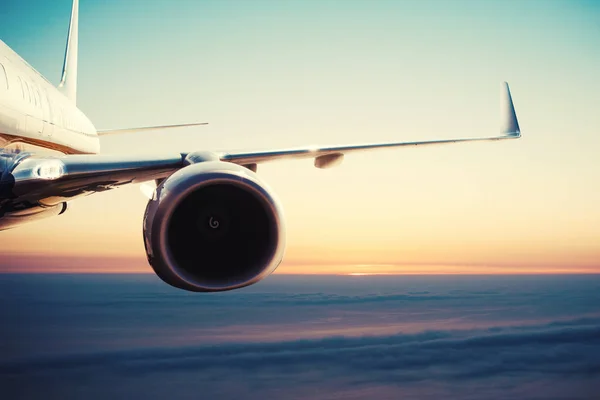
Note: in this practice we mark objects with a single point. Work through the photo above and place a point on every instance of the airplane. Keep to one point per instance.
(211, 224)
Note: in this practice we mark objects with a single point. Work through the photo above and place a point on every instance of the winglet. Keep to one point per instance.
(509, 122)
(68, 81)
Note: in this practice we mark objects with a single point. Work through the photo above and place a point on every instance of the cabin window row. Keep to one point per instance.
(31, 94)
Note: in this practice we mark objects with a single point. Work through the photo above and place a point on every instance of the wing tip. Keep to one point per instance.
(510, 123)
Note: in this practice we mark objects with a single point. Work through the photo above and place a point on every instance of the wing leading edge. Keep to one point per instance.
(327, 156)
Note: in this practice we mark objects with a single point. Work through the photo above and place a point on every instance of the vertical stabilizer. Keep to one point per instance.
(68, 81)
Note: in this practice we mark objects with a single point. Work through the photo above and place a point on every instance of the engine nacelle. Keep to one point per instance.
(213, 226)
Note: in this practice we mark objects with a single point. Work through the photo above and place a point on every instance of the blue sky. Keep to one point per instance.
(276, 74)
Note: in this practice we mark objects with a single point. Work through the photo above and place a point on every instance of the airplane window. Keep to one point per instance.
(51, 111)
(3, 77)
(27, 93)
(22, 89)
(41, 99)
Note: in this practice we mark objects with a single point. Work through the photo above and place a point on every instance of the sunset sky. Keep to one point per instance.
(272, 74)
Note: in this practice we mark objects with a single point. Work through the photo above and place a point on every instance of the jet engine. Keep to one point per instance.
(213, 226)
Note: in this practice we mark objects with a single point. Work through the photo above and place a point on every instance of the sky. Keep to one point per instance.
(269, 74)
(301, 337)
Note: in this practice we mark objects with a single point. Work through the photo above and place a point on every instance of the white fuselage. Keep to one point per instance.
(34, 113)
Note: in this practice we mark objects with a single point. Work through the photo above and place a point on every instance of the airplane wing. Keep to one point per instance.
(332, 155)
(52, 180)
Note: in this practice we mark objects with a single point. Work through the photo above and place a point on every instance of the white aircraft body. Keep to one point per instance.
(211, 224)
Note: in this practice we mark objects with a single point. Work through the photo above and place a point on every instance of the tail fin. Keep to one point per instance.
(68, 81)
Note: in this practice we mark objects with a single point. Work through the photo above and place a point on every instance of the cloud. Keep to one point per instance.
(98, 337)
(557, 351)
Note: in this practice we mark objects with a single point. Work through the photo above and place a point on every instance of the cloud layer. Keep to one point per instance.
(553, 354)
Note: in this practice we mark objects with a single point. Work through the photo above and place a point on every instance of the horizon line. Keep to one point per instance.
(350, 275)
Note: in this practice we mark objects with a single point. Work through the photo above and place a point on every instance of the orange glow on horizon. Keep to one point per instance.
(138, 265)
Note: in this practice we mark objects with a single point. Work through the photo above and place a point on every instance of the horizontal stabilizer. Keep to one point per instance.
(147, 128)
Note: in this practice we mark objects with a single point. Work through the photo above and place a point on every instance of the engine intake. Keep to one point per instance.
(213, 226)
